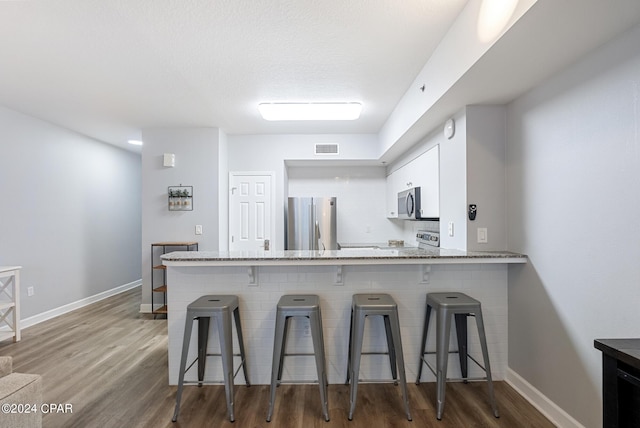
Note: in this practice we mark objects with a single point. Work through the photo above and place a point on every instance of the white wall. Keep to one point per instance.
(573, 158)
(446, 66)
(361, 200)
(453, 181)
(197, 163)
(472, 170)
(269, 152)
(223, 196)
(453, 184)
(69, 212)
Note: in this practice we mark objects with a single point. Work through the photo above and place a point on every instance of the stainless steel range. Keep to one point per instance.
(427, 239)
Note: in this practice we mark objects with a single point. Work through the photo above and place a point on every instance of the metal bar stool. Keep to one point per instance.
(203, 309)
(298, 306)
(364, 305)
(460, 306)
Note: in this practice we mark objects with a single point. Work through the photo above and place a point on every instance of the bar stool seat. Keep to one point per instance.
(362, 306)
(460, 306)
(220, 308)
(292, 305)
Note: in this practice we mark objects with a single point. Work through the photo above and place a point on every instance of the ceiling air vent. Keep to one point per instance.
(326, 149)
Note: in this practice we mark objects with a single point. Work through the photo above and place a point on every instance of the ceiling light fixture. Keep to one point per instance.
(494, 17)
(135, 142)
(310, 111)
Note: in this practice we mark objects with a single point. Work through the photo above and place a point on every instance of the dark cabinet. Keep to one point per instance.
(620, 382)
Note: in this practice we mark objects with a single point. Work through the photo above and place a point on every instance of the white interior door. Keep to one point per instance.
(250, 211)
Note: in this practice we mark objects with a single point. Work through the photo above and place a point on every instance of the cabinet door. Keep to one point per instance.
(425, 173)
(397, 181)
(392, 195)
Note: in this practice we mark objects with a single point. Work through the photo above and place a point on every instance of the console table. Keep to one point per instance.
(620, 382)
(10, 300)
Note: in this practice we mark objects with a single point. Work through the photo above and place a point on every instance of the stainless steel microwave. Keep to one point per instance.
(409, 204)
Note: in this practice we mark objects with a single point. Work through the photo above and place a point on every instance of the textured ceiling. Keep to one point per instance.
(109, 68)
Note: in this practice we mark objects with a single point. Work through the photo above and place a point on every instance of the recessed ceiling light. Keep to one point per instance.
(310, 111)
(135, 142)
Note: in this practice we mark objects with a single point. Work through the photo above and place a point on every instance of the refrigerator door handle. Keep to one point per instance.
(311, 230)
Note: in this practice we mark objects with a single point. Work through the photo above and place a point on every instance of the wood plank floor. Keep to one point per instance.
(110, 363)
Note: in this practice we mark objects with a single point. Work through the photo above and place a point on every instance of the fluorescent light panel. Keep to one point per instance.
(310, 111)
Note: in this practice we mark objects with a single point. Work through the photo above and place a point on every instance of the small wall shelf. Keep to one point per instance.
(180, 198)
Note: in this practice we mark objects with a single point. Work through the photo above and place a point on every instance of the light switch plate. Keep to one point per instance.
(482, 235)
(198, 229)
(450, 228)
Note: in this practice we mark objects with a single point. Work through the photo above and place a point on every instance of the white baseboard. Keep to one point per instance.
(44, 316)
(552, 411)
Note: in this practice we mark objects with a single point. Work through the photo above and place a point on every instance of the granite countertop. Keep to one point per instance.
(384, 255)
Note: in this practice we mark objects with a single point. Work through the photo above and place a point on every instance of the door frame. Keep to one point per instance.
(272, 175)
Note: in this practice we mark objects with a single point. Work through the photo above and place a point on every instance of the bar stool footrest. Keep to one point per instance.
(393, 381)
(218, 355)
(298, 382)
(424, 360)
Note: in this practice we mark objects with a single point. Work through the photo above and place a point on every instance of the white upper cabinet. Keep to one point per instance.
(396, 182)
(423, 172)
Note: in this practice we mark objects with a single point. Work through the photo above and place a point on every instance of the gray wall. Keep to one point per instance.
(69, 212)
(197, 162)
(573, 186)
(486, 145)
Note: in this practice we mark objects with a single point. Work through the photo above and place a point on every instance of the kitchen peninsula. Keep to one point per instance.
(260, 278)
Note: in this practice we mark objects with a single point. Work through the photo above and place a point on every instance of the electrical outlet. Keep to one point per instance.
(30, 291)
(198, 229)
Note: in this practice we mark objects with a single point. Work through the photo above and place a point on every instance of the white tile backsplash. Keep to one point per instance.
(487, 283)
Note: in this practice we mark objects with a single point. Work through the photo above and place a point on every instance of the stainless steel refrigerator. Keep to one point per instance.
(311, 224)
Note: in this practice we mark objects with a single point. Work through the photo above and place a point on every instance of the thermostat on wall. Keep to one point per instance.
(449, 128)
